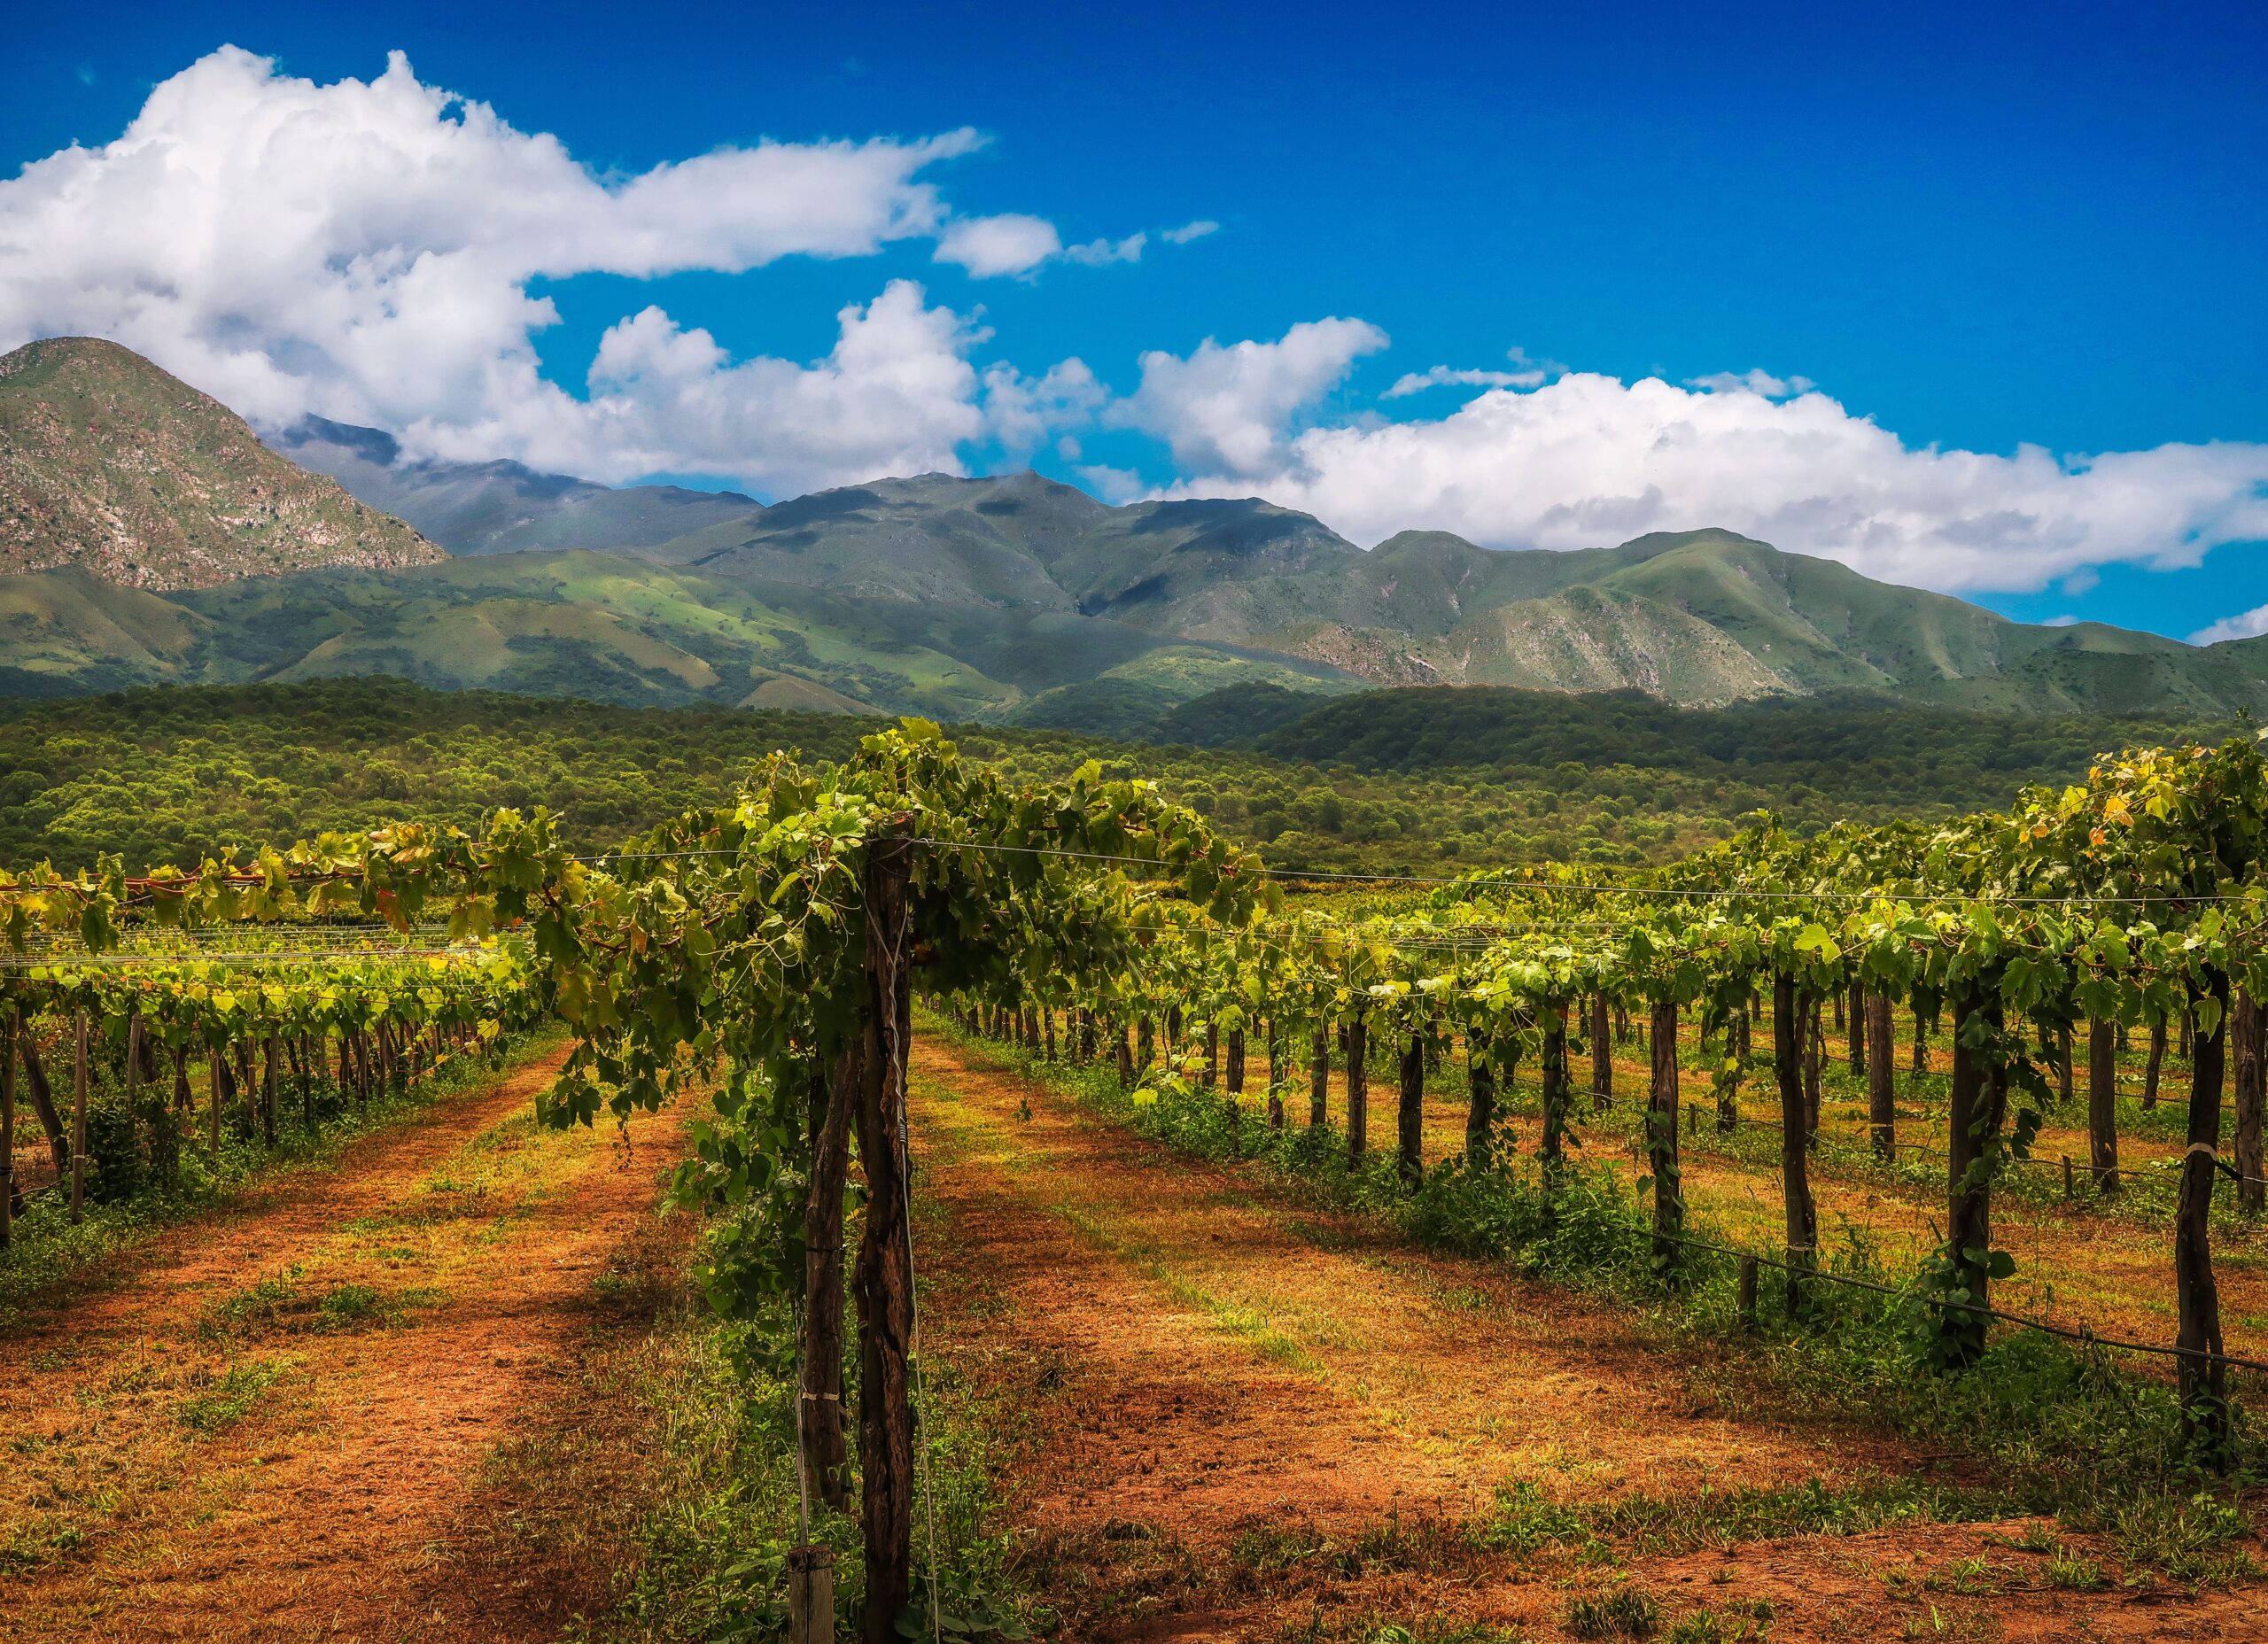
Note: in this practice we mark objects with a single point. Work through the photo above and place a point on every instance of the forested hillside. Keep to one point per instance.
(1500, 777)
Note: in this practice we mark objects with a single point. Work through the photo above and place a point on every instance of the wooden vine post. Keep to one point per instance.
(2203, 1374)
(1801, 1213)
(1882, 1074)
(1602, 1055)
(1480, 1107)
(1977, 1107)
(1319, 1079)
(2102, 1104)
(8, 1128)
(1552, 1151)
(1410, 1115)
(1358, 1090)
(884, 1279)
(836, 1092)
(1661, 1136)
(2248, 1080)
(78, 1116)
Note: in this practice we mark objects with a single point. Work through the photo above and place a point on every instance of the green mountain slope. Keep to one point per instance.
(577, 624)
(994, 598)
(108, 462)
(504, 507)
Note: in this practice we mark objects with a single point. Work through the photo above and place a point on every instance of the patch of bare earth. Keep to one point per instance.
(364, 1402)
(1231, 1417)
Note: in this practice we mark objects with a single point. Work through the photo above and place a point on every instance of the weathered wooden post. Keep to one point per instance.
(8, 1130)
(1480, 1107)
(1602, 1055)
(1319, 1079)
(1801, 1213)
(835, 1097)
(1661, 1136)
(2248, 1100)
(2154, 1065)
(884, 1280)
(1552, 1150)
(79, 1116)
(1410, 1130)
(810, 1594)
(2203, 1374)
(1882, 1073)
(1977, 1106)
(1358, 1090)
(1814, 1041)
(2102, 1106)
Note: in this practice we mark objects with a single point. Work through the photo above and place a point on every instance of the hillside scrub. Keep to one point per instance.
(1418, 781)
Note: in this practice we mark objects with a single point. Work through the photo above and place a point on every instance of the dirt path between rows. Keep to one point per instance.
(327, 1411)
(1235, 1417)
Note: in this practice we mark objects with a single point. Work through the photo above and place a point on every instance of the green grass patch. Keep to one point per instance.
(231, 1397)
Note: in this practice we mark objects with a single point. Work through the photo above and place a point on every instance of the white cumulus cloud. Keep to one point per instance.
(1229, 409)
(1760, 383)
(369, 251)
(1026, 412)
(2243, 626)
(1589, 459)
(1011, 242)
(1448, 376)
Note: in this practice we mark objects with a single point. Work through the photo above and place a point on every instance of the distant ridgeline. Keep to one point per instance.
(155, 540)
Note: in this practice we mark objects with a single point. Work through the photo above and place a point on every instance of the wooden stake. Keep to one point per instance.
(1411, 1131)
(79, 1117)
(1601, 1056)
(1882, 1072)
(1801, 1214)
(1480, 1111)
(810, 1594)
(834, 1094)
(8, 1129)
(2249, 1096)
(2203, 1381)
(1978, 1102)
(1661, 1136)
(2102, 1107)
(884, 1280)
(1358, 1090)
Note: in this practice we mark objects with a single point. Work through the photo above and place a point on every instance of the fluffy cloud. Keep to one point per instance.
(1026, 412)
(1589, 459)
(1011, 242)
(366, 250)
(896, 395)
(1228, 409)
(1189, 231)
(1095, 253)
(1760, 383)
(1447, 377)
(2243, 626)
(1014, 243)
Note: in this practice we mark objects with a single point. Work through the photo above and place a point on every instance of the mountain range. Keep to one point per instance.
(155, 538)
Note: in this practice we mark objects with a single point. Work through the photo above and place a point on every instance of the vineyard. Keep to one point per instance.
(1797, 1093)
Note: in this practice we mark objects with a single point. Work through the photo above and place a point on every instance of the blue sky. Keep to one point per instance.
(2041, 226)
